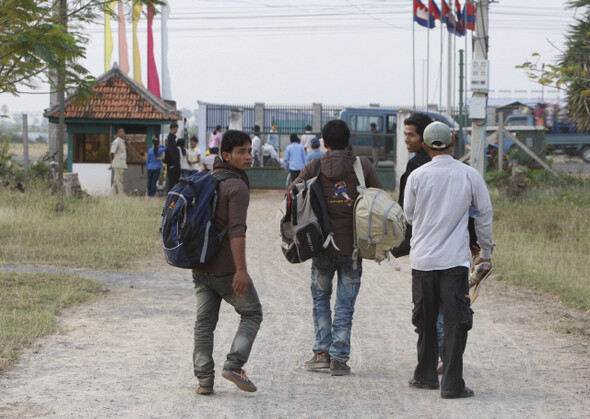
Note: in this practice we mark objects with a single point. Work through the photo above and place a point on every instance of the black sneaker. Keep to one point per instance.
(238, 377)
(204, 389)
(339, 368)
(319, 361)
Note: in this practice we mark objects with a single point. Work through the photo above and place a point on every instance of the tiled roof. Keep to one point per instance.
(118, 97)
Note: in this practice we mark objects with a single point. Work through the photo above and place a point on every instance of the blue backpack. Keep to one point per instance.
(189, 237)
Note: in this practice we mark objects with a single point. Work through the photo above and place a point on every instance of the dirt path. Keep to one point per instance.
(129, 355)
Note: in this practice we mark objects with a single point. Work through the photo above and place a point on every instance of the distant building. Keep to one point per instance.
(91, 126)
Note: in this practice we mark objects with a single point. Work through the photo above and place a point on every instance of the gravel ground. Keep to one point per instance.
(129, 354)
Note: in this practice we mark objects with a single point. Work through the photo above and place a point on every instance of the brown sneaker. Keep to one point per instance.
(319, 361)
(339, 367)
(203, 389)
(239, 378)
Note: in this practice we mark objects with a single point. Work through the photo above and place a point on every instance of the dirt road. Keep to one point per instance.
(129, 354)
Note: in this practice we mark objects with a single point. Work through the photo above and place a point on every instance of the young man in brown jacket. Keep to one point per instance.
(339, 183)
(226, 276)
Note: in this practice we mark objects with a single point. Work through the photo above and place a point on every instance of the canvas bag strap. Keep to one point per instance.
(358, 171)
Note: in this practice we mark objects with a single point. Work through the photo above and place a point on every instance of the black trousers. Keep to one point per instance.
(447, 290)
(172, 178)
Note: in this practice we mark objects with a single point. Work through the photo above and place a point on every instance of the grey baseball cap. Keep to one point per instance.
(437, 135)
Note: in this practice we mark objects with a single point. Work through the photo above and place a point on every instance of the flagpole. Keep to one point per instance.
(450, 63)
(428, 58)
(440, 76)
(414, 59)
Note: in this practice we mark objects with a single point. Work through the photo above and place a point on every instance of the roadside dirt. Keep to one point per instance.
(129, 354)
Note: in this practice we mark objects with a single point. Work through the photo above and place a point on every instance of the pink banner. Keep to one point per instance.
(152, 70)
(123, 53)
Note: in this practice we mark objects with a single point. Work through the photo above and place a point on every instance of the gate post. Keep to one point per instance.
(317, 118)
(259, 115)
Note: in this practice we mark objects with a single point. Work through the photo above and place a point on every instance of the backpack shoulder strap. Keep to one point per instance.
(219, 177)
(358, 171)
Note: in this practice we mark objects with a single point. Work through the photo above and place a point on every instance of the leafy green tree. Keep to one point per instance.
(572, 71)
(34, 39)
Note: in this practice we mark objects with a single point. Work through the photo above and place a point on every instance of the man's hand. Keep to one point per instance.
(241, 283)
(480, 260)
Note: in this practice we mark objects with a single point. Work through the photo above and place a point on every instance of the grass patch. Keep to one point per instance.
(40, 228)
(29, 304)
(543, 240)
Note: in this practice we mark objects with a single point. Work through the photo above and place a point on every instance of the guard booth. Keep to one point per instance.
(91, 128)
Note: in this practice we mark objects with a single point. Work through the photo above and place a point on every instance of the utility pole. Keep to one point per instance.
(480, 88)
(461, 145)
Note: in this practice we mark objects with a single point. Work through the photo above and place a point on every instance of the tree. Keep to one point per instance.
(33, 40)
(572, 71)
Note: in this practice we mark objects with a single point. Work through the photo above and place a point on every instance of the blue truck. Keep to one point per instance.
(359, 121)
(559, 139)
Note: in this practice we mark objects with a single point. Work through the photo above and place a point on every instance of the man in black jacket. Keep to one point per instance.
(172, 158)
(414, 127)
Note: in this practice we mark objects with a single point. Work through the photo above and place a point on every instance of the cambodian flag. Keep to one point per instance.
(434, 10)
(469, 15)
(460, 20)
(449, 18)
(421, 15)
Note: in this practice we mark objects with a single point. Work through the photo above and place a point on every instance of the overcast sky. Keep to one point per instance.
(339, 52)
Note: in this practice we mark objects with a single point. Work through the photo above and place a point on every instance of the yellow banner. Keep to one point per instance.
(108, 35)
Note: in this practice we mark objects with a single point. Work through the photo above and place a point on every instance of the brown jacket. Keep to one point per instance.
(232, 207)
(340, 191)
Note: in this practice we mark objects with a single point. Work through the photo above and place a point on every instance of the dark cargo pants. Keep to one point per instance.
(447, 290)
(211, 289)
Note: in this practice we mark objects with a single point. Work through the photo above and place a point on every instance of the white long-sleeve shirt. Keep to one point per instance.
(439, 198)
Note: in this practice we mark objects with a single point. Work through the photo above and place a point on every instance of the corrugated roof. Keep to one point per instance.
(118, 97)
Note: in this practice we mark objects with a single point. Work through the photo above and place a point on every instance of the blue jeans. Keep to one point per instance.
(211, 288)
(334, 336)
(152, 176)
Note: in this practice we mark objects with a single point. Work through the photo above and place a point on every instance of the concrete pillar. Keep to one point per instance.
(259, 115)
(317, 118)
(235, 119)
(402, 155)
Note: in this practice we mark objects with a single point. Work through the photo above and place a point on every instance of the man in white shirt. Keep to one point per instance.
(306, 139)
(439, 198)
(118, 161)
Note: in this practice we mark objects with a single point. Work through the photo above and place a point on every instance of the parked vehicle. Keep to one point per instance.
(359, 121)
(560, 139)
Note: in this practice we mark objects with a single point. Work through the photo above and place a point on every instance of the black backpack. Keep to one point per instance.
(189, 237)
(305, 226)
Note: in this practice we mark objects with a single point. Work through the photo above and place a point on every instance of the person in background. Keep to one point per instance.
(215, 140)
(172, 158)
(315, 153)
(184, 170)
(270, 157)
(118, 156)
(273, 137)
(294, 157)
(375, 142)
(256, 147)
(193, 156)
(306, 139)
(154, 166)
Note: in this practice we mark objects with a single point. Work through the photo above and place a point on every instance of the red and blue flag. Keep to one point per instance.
(421, 15)
(469, 15)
